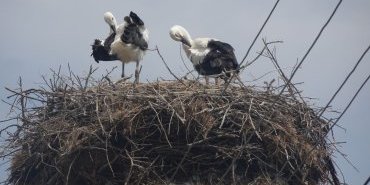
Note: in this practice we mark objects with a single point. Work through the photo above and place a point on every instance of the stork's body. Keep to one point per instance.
(208, 56)
(131, 42)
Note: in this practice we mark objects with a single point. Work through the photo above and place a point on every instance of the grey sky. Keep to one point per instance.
(40, 34)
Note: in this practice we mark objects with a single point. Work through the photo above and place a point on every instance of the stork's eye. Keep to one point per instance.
(112, 18)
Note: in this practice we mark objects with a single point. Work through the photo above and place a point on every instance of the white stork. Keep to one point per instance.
(209, 56)
(130, 42)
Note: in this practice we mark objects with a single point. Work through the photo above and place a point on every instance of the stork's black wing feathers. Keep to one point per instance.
(132, 35)
(136, 19)
(109, 40)
(220, 58)
(220, 46)
(132, 32)
(100, 52)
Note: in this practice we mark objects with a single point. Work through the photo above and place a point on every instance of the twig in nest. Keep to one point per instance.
(259, 32)
(165, 63)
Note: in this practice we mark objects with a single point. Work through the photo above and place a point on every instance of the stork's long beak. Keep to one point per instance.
(113, 27)
(186, 42)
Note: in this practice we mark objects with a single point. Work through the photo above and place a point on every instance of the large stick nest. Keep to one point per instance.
(96, 132)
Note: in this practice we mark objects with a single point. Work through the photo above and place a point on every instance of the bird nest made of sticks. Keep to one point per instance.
(88, 131)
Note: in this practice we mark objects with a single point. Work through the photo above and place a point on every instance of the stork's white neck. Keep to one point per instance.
(187, 36)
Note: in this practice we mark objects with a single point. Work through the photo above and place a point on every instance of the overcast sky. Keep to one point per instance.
(40, 34)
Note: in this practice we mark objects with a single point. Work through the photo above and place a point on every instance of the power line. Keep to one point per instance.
(259, 32)
(349, 104)
(312, 45)
(345, 80)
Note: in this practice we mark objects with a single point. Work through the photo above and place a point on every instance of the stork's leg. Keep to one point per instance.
(137, 72)
(238, 78)
(123, 70)
(216, 80)
(207, 80)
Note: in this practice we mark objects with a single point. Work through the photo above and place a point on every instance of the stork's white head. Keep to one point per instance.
(179, 33)
(109, 18)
